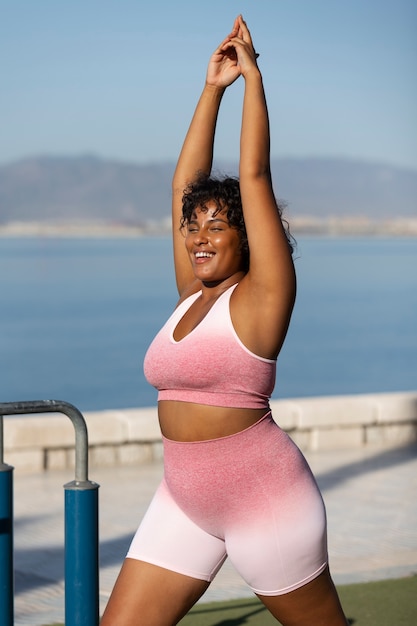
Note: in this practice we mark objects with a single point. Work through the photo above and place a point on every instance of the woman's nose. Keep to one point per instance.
(200, 236)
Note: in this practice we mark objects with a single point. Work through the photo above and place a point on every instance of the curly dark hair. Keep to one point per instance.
(225, 193)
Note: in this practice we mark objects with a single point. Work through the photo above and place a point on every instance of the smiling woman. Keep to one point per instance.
(234, 483)
(213, 245)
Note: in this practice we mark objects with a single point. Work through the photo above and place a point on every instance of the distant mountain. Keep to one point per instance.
(59, 189)
(338, 187)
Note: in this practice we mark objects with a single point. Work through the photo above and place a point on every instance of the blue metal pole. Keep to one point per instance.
(81, 521)
(81, 554)
(6, 546)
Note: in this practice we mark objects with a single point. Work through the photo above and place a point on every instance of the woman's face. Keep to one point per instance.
(213, 245)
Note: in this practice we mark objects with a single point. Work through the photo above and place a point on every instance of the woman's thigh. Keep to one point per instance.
(148, 595)
(315, 604)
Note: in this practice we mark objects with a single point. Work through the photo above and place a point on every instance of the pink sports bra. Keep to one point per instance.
(210, 365)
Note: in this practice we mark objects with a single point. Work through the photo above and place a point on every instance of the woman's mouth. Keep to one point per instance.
(202, 256)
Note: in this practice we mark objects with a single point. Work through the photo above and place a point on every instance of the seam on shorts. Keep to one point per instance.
(301, 583)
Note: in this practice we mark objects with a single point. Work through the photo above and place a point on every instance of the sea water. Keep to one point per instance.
(77, 315)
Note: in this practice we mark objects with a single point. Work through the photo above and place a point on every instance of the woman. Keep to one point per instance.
(234, 484)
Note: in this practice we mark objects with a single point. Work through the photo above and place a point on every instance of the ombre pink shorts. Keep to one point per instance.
(250, 496)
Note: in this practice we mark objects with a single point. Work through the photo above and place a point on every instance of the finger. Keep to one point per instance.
(238, 42)
(246, 36)
(242, 49)
(225, 41)
(235, 26)
(234, 30)
(229, 49)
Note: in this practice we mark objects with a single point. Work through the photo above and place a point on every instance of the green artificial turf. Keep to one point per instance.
(382, 603)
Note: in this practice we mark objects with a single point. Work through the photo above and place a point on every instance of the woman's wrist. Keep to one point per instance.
(253, 73)
(214, 89)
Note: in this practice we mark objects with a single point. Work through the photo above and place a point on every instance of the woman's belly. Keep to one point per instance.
(186, 421)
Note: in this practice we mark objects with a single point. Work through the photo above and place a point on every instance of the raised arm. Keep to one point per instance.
(197, 151)
(267, 292)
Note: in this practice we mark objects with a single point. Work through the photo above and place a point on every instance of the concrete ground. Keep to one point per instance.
(371, 502)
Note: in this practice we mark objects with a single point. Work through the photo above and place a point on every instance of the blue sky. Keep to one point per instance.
(120, 78)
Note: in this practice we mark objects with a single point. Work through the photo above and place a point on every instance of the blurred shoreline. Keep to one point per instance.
(300, 226)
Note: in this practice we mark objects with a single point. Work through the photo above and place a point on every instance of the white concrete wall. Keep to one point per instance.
(131, 436)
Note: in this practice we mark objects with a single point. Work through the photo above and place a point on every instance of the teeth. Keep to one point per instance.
(199, 255)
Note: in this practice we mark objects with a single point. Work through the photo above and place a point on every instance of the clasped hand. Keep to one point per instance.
(235, 56)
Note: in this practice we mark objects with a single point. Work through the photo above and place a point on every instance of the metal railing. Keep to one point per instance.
(81, 524)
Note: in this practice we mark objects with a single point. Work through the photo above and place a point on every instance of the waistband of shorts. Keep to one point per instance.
(239, 433)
